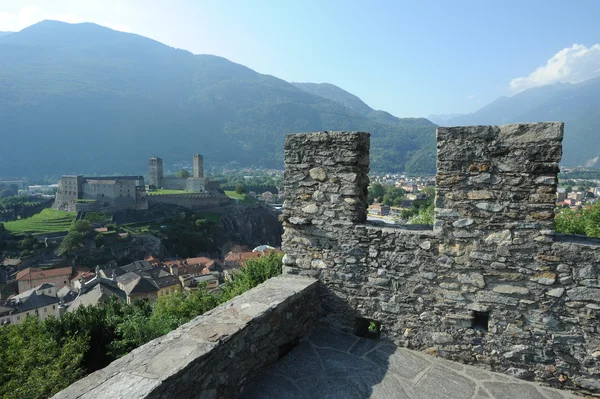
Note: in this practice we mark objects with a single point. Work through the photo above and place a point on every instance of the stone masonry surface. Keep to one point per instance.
(216, 354)
(491, 284)
(331, 364)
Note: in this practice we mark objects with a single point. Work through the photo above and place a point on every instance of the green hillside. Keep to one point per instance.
(86, 99)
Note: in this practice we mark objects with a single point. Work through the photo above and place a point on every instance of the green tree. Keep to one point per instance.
(71, 242)
(82, 226)
(239, 189)
(183, 174)
(376, 192)
(34, 364)
(585, 221)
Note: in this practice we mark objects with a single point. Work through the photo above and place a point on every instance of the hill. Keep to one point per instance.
(349, 100)
(578, 105)
(86, 99)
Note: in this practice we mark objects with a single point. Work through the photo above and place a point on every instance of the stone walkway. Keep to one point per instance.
(332, 364)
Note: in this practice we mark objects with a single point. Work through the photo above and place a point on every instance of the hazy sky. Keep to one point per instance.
(411, 58)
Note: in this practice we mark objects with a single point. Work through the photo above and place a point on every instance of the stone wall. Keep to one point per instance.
(491, 284)
(217, 354)
(193, 202)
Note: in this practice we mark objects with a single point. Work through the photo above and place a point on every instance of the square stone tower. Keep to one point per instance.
(198, 166)
(155, 171)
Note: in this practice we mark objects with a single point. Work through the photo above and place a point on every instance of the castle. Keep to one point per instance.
(116, 193)
(194, 184)
(120, 192)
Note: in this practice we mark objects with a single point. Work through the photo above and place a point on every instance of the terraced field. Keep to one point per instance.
(47, 221)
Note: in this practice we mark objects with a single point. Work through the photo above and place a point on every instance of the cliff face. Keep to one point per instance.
(249, 225)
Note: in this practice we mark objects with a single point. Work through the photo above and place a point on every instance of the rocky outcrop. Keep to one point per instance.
(250, 225)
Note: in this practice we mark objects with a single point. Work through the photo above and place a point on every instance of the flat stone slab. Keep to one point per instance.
(331, 364)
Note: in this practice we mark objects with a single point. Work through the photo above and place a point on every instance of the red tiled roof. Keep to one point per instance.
(34, 273)
(204, 261)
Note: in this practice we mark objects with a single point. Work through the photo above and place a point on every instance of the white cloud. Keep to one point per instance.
(29, 15)
(471, 96)
(570, 65)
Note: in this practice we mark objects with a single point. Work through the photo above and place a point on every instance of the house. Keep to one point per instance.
(191, 283)
(79, 277)
(379, 209)
(31, 303)
(137, 287)
(32, 277)
(94, 292)
(167, 285)
(236, 259)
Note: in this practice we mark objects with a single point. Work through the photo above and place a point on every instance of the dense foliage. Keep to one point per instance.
(140, 94)
(38, 359)
(584, 221)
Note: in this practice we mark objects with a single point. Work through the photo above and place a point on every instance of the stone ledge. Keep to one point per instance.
(217, 353)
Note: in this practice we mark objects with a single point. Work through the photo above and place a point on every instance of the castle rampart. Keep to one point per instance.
(491, 284)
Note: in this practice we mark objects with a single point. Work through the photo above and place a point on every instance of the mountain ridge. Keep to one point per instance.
(578, 105)
(81, 98)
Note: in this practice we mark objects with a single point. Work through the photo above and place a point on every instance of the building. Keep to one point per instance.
(94, 292)
(379, 210)
(167, 285)
(33, 277)
(40, 301)
(194, 184)
(92, 193)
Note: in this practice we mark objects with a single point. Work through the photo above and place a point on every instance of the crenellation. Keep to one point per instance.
(492, 254)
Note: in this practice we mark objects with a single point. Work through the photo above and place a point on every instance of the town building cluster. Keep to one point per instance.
(413, 188)
(43, 293)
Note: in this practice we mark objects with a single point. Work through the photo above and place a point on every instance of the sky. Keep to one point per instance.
(410, 58)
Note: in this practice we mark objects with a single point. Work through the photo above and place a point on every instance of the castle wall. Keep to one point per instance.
(69, 188)
(195, 185)
(193, 202)
(172, 183)
(491, 284)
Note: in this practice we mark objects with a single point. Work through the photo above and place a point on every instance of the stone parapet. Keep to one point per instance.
(491, 284)
(215, 355)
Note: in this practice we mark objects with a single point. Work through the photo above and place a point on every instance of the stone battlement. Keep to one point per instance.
(489, 284)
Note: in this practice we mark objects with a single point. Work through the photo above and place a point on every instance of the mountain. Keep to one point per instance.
(578, 105)
(349, 100)
(442, 119)
(86, 99)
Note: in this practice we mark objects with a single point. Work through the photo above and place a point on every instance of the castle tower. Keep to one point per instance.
(155, 171)
(198, 166)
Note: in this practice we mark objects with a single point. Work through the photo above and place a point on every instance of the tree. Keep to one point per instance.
(70, 242)
(376, 192)
(239, 189)
(82, 226)
(34, 363)
(183, 174)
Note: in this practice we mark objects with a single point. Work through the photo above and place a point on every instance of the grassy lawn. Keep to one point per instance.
(165, 192)
(243, 198)
(47, 221)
